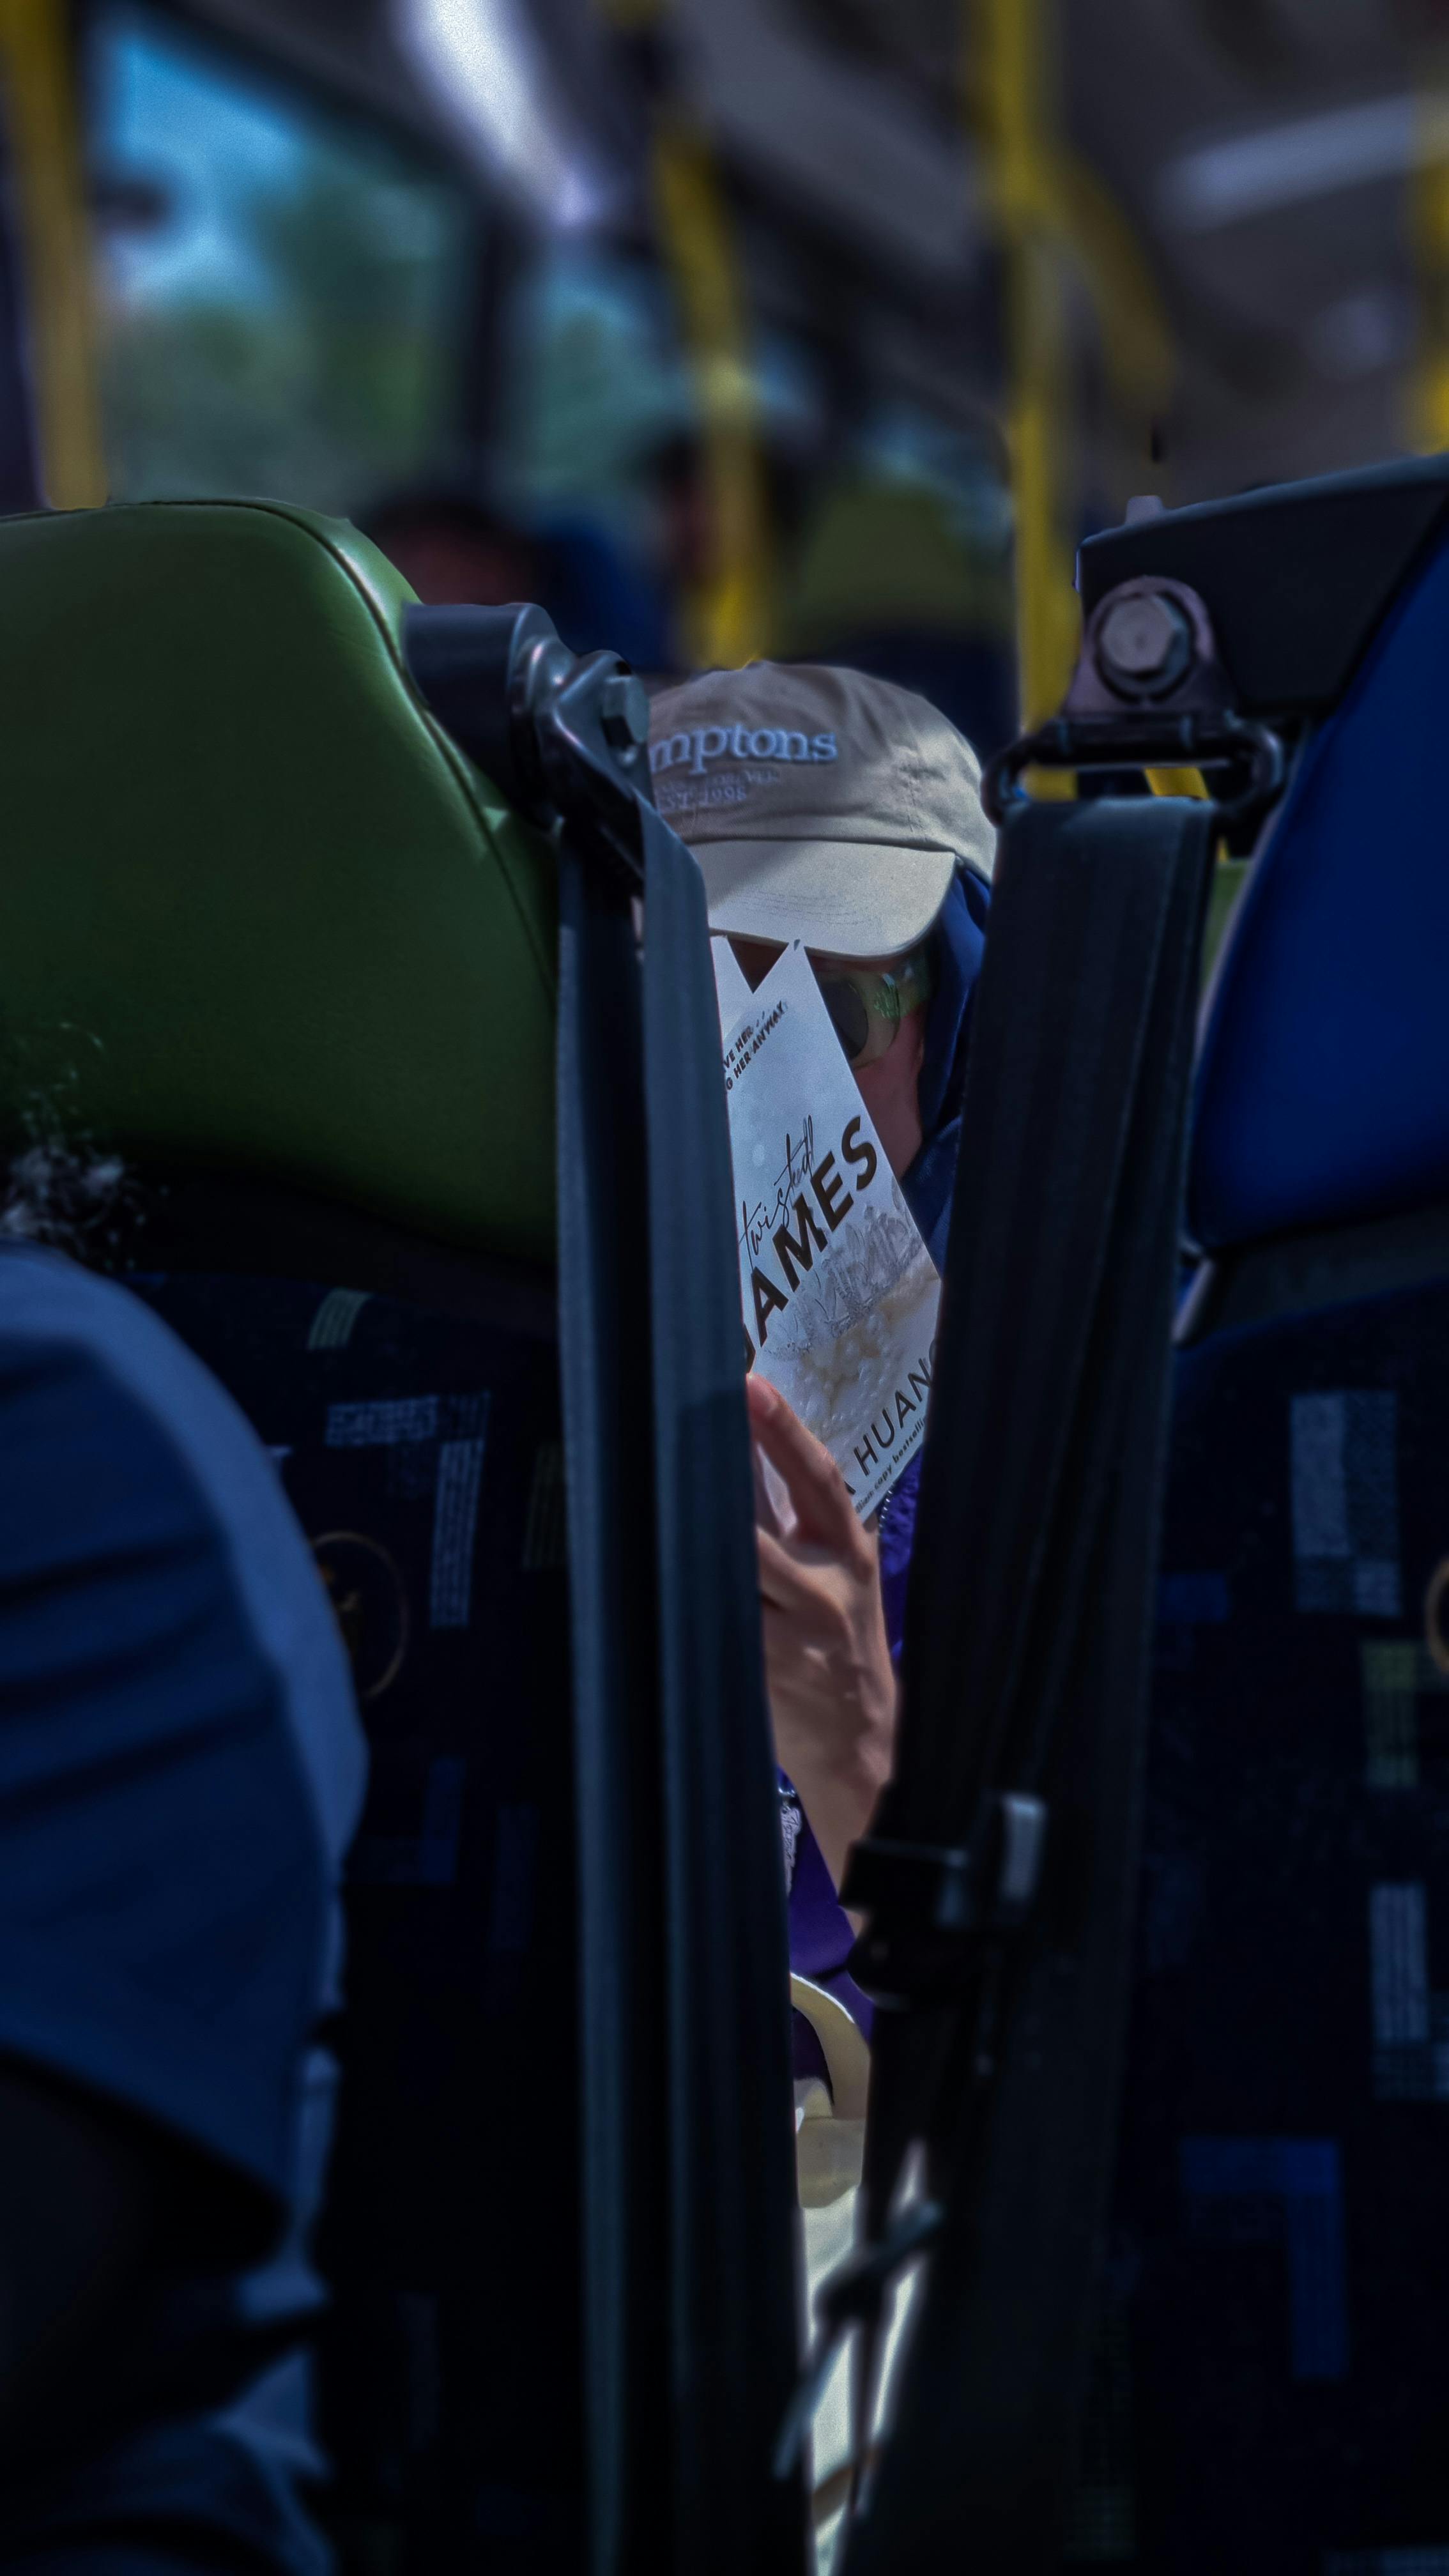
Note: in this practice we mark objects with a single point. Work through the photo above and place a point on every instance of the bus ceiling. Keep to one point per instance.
(1136, 243)
(1247, 168)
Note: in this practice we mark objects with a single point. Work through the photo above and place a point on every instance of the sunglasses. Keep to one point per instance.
(868, 1003)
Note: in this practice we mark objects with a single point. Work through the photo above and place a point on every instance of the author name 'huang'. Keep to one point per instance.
(874, 1450)
(796, 1242)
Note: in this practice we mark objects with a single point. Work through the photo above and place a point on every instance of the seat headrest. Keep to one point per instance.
(257, 911)
(1323, 1077)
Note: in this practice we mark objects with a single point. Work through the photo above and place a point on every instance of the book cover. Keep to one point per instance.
(838, 1291)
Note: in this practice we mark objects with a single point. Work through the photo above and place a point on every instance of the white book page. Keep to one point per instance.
(730, 982)
(838, 1291)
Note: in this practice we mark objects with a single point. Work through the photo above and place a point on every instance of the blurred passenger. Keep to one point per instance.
(876, 853)
(451, 549)
(180, 1769)
(678, 475)
(682, 510)
(887, 580)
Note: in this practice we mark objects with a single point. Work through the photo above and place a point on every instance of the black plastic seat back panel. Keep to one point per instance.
(1297, 576)
(423, 1456)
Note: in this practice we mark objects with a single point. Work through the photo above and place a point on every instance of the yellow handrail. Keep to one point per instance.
(37, 72)
(1006, 70)
(1055, 220)
(730, 618)
(1138, 358)
(1428, 386)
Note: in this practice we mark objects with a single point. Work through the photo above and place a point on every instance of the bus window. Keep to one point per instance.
(602, 420)
(283, 290)
(597, 378)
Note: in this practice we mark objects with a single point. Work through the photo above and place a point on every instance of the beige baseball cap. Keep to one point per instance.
(821, 805)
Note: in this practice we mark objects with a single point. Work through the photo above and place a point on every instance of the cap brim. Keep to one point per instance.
(849, 898)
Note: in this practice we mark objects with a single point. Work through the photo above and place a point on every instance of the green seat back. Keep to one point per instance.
(258, 914)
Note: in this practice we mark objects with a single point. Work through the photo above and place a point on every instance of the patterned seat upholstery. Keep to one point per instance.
(1273, 2382)
(422, 1454)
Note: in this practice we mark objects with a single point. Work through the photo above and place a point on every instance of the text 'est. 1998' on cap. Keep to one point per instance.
(821, 805)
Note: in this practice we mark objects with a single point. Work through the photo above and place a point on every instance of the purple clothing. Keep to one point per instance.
(897, 1538)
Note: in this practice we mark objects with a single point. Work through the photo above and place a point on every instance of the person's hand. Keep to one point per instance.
(827, 1659)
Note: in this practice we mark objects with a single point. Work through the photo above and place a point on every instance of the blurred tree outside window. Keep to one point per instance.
(283, 293)
(596, 381)
(601, 417)
(599, 383)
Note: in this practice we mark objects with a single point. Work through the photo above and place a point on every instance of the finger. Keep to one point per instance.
(784, 1582)
(816, 1486)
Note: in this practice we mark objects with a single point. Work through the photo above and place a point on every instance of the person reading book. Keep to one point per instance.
(844, 812)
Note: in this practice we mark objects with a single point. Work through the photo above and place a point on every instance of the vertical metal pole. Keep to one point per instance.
(730, 618)
(1428, 185)
(37, 68)
(1008, 74)
(1058, 225)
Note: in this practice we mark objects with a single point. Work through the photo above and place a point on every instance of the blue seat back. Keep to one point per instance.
(1323, 1085)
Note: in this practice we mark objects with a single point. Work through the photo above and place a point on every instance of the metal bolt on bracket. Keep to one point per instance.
(1144, 645)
